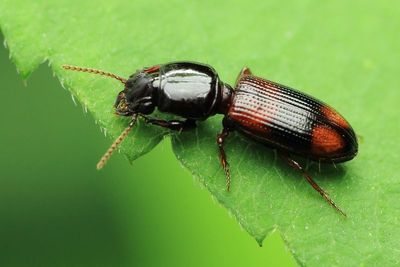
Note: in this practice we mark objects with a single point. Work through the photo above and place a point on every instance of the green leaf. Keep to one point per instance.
(345, 53)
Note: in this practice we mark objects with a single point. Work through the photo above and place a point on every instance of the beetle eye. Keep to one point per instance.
(120, 96)
(121, 105)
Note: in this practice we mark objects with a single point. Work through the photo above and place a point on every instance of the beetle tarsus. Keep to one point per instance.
(295, 165)
(222, 156)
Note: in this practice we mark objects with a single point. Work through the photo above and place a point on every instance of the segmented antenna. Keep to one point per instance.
(95, 71)
(117, 141)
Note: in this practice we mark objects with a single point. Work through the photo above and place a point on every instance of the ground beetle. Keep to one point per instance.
(270, 113)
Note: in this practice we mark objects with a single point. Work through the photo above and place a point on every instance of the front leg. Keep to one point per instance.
(175, 125)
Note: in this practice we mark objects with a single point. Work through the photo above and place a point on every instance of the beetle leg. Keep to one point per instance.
(244, 72)
(222, 156)
(175, 125)
(295, 165)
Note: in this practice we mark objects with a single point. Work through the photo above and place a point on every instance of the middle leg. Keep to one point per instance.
(222, 156)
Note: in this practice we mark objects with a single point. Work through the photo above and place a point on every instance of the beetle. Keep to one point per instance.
(270, 113)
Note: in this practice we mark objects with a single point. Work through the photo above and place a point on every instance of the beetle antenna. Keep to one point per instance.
(117, 141)
(95, 71)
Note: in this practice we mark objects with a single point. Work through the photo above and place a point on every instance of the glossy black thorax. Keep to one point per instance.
(190, 90)
(186, 89)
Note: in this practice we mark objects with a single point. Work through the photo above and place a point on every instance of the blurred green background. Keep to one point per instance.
(57, 210)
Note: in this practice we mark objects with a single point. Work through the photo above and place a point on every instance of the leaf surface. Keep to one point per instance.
(345, 53)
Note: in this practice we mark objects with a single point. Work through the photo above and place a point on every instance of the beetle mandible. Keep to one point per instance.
(270, 113)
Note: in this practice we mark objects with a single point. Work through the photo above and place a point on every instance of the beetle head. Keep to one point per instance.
(137, 96)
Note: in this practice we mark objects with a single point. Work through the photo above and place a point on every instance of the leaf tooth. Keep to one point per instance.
(103, 130)
(73, 100)
(62, 84)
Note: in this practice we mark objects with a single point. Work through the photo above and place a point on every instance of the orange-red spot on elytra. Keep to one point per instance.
(334, 116)
(326, 140)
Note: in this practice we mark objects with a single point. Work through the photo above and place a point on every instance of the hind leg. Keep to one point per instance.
(295, 165)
